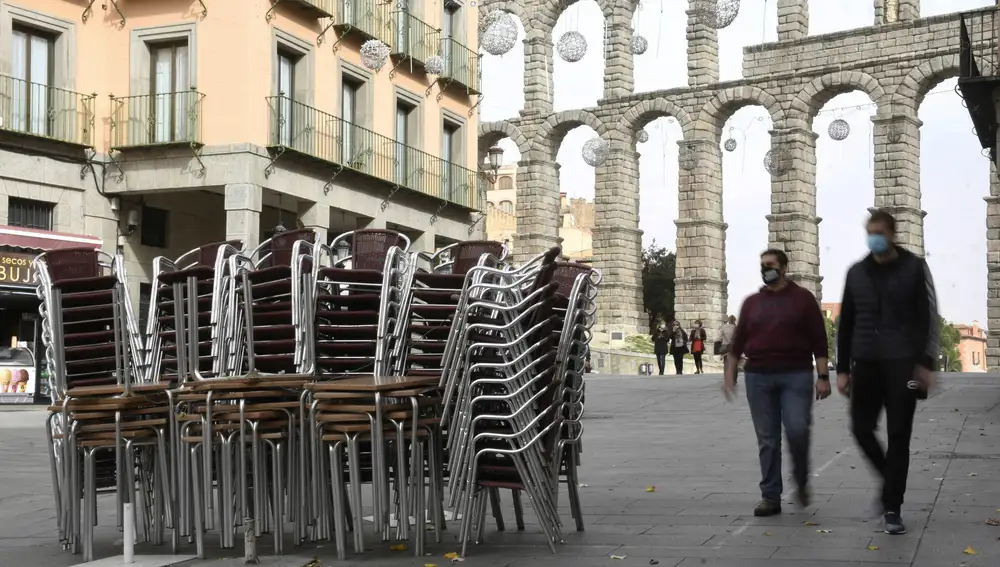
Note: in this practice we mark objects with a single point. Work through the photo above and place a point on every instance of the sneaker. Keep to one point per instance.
(767, 508)
(894, 524)
(803, 498)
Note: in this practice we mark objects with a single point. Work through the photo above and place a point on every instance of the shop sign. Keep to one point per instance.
(17, 384)
(16, 269)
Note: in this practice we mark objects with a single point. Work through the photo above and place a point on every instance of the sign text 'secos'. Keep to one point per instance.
(15, 268)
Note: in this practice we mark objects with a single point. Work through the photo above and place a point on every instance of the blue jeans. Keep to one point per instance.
(776, 400)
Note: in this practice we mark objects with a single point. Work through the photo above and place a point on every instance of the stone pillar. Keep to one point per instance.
(700, 281)
(316, 216)
(619, 80)
(537, 208)
(993, 272)
(617, 243)
(909, 10)
(891, 11)
(702, 50)
(793, 225)
(538, 86)
(897, 177)
(793, 19)
(243, 205)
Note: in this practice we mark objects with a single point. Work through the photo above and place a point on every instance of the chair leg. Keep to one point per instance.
(197, 503)
(518, 510)
(354, 470)
(495, 507)
(337, 489)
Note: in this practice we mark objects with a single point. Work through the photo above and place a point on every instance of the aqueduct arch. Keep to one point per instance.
(892, 61)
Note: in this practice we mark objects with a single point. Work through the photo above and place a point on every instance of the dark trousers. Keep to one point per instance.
(661, 362)
(776, 400)
(679, 362)
(697, 361)
(876, 385)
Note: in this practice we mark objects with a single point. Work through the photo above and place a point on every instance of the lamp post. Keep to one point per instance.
(495, 161)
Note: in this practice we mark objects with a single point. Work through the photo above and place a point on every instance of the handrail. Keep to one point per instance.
(159, 119)
(413, 37)
(461, 64)
(370, 17)
(45, 111)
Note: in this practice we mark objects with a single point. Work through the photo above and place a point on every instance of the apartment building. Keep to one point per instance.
(154, 127)
(972, 347)
(576, 226)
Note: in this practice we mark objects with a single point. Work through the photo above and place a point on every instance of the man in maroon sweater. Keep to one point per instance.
(781, 331)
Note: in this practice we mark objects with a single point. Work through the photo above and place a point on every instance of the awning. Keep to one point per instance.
(31, 239)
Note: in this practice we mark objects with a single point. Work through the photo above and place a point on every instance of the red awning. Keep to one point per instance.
(41, 240)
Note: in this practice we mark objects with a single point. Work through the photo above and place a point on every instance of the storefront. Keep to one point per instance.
(23, 376)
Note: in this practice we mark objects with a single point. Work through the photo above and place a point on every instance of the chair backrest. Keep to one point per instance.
(370, 246)
(209, 252)
(72, 264)
(280, 248)
(467, 254)
(566, 274)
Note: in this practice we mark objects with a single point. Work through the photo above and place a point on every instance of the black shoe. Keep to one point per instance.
(803, 498)
(767, 508)
(894, 524)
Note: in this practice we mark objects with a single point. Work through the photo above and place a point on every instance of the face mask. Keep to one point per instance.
(878, 244)
(769, 275)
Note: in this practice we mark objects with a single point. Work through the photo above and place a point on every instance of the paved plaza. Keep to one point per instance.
(670, 479)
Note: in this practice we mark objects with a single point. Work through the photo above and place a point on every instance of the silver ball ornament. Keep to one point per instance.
(638, 45)
(595, 151)
(374, 54)
(730, 145)
(778, 162)
(642, 136)
(572, 46)
(717, 14)
(839, 130)
(434, 65)
(498, 32)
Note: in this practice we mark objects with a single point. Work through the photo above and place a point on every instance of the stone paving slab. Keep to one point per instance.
(679, 436)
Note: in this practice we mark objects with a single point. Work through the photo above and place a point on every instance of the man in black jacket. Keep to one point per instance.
(888, 342)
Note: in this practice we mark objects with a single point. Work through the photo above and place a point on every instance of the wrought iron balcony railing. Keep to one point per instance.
(978, 50)
(461, 65)
(315, 8)
(413, 38)
(300, 128)
(39, 110)
(368, 17)
(162, 119)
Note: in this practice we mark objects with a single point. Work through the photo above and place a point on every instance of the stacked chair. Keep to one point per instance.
(262, 391)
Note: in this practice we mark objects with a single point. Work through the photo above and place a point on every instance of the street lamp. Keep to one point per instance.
(495, 155)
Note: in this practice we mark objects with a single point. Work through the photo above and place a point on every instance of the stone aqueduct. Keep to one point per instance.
(896, 62)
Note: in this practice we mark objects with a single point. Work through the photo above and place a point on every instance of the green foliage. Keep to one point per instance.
(831, 336)
(950, 361)
(639, 343)
(658, 268)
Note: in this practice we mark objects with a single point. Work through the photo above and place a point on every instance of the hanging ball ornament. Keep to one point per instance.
(374, 54)
(839, 129)
(638, 45)
(595, 151)
(642, 136)
(498, 32)
(717, 14)
(778, 162)
(572, 46)
(687, 158)
(730, 145)
(434, 65)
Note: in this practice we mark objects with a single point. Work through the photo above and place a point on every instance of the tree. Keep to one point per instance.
(950, 360)
(831, 336)
(658, 268)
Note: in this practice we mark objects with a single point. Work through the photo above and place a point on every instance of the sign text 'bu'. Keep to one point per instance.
(15, 269)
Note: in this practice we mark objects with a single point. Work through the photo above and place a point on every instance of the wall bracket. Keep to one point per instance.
(204, 9)
(88, 11)
(479, 99)
(321, 37)
(270, 166)
(88, 166)
(427, 92)
(444, 85)
(269, 15)
(196, 151)
(385, 203)
(329, 184)
(479, 218)
(435, 217)
(114, 3)
(121, 172)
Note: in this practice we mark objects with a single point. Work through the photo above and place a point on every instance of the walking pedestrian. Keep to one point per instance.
(781, 331)
(888, 342)
(725, 341)
(661, 346)
(698, 338)
(678, 347)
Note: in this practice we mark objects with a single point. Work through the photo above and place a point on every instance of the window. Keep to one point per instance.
(451, 148)
(506, 182)
(27, 213)
(286, 92)
(349, 100)
(975, 358)
(447, 29)
(405, 131)
(32, 56)
(490, 204)
(507, 207)
(171, 91)
(153, 228)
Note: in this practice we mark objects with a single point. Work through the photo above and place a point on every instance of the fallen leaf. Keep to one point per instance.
(313, 563)
(398, 547)
(872, 548)
(970, 551)
(767, 533)
(824, 531)
(650, 489)
(619, 557)
(584, 485)
(973, 474)
(653, 562)
(430, 565)
(808, 523)
(993, 522)
(451, 555)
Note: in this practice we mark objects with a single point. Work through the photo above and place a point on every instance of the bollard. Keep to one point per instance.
(128, 542)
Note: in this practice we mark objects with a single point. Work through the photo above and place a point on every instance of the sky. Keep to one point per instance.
(954, 174)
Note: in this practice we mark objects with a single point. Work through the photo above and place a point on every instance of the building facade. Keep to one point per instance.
(576, 217)
(972, 347)
(156, 127)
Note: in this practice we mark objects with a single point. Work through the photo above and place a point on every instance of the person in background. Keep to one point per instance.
(888, 341)
(661, 346)
(726, 340)
(698, 338)
(678, 346)
(781, 330)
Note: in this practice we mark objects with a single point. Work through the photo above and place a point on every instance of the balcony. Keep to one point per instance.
(414, 40)
(313, 8)
(156, 120)
(41, 111)
(368, 18)
(978, 75)
(306, 131)
(461, 65)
